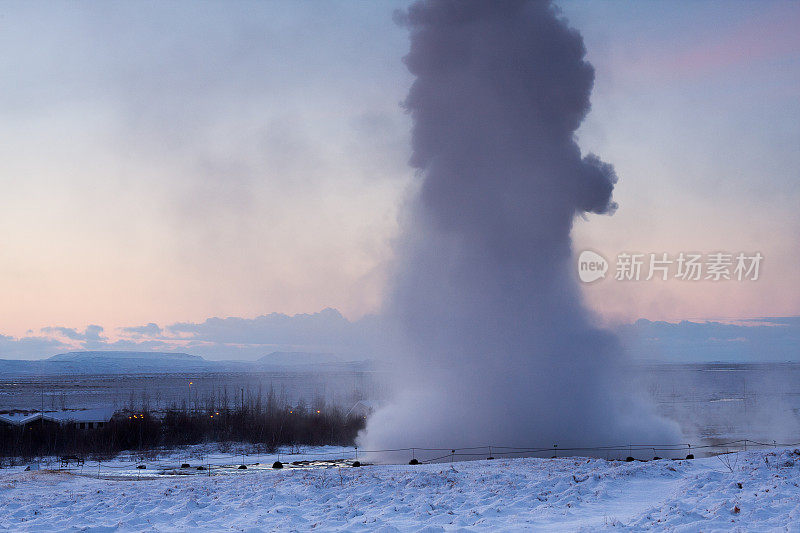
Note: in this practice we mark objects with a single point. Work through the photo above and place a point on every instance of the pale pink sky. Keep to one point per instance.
(170, 164)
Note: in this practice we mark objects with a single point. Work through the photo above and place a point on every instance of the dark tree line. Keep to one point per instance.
(270, 424)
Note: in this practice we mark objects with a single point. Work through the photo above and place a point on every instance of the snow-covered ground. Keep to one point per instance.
(759, 492)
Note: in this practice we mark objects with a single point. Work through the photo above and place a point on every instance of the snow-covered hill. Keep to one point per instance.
(152, 357)
(759, 492)
(299, 358)
(129, 362)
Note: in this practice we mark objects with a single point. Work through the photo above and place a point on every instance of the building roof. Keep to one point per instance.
(19, 419)
(361, 407)
(60, 417)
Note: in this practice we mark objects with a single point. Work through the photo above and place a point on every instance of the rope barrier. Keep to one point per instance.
(472, 451)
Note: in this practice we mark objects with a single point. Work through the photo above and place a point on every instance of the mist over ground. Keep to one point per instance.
(490, 340)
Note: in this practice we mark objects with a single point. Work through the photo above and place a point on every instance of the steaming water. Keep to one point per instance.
(160, 391)
(488, 335)
(729, 401)
(709, 401)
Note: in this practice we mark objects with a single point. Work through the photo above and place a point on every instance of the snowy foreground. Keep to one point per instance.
(759, 492)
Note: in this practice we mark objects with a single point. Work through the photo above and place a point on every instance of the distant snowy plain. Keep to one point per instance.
(759, 492)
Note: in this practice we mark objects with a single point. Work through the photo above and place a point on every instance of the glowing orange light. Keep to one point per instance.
(317, 411)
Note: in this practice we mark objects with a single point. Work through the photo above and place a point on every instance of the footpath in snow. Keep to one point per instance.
(749, 491)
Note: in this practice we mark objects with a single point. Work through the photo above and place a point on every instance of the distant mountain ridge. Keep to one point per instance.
(131, 362)
(299, 358)
(125, 355)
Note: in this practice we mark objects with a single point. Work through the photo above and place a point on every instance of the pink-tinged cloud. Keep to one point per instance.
(771, 36)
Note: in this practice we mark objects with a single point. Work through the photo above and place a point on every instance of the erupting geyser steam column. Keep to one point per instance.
(492, 343)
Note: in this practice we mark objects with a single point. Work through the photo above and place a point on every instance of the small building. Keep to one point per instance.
(81, 419)
(19, 418)
(361, 409)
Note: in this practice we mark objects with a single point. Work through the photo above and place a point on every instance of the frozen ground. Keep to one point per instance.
(759, 492)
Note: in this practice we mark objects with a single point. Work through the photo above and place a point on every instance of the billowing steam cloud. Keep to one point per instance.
(493, 345)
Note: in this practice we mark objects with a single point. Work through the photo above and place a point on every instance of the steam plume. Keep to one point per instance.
(493, 344)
